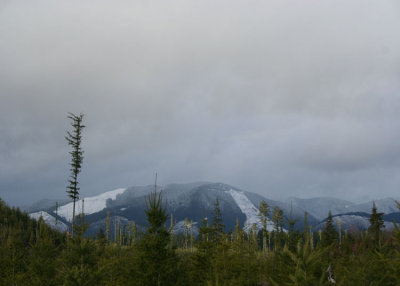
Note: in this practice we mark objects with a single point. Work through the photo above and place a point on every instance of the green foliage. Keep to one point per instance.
(264, 210)
(31, 253)
(74, 139)
(277, 219)
(329, 235)
(292, 236)
(42, 269)
(217, 229)
(156, 262)
(201, 270)
(377, 224)
(308, 266)
(79, 263)
(28, 249)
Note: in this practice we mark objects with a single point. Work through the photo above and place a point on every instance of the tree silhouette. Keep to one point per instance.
(377, 223)
(74, 139)
(156, 263)
(329, 235)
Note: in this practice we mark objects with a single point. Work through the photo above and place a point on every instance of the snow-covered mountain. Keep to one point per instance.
(90, 205)
(353, 217)
(320, 207)
(387, 205)
(354, 222)
(249, 209)
(196, 201)
(49, 220)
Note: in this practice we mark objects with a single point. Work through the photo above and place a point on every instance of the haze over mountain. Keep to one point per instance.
(295, 103)
(278, 97)
(196, 201)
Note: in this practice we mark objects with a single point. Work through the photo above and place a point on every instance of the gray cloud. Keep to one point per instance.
(276, 97)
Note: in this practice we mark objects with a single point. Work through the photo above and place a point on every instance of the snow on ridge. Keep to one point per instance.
(91, 205)
(359, 221)
(247, 207)
(250, 210)
(49, 220)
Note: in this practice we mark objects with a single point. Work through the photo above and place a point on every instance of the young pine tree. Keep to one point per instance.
(329, 234)
(79, 263)
(217, 226)
(292, 235)
(156, 262)
(74, 139)
(264, 210)
(377, 224)
(277, 218)
(202, 269)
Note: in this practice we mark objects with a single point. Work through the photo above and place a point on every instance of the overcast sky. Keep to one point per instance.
(282, 98)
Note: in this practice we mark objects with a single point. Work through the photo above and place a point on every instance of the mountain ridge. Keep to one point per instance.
(196, 201)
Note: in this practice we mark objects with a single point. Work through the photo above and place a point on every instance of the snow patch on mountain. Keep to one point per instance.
(250, 210)
(387, 206)
(247, 207)
(91, 204)
(49, 220)
(353, 222)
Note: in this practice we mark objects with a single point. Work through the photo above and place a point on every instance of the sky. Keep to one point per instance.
(281, 98)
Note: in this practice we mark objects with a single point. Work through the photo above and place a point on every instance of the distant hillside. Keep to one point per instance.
(19, 226)
(196, 201)
(319, 207)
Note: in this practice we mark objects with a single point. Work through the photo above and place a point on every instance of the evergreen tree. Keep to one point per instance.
(133, 233)
(277, 218)
(101, 240)
(263, 214)
(156, 262)
(305, 267)
(74, 139)
(217, 226)
(108, 226)
(292, 236)
(237, 238)
(329, 235)
(377, 224)
(79, 263)
(305, 224)
(201, 270)
(191, 235)
(42, 269)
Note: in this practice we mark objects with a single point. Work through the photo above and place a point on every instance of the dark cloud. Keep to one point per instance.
(276, 97)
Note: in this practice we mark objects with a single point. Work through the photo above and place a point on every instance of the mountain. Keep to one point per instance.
(43, 204)
(387, 205)
(356, 221)
(90, 205)
(320, 207)
(49, 220)
(196, 201)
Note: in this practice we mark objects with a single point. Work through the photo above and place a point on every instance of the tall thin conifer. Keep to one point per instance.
(74, 139)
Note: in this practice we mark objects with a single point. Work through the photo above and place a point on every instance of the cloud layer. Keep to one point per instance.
(276, 97)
